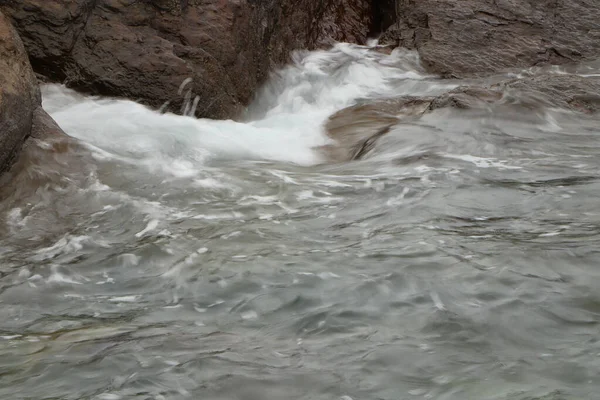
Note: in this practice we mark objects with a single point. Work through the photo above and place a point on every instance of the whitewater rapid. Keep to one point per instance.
(285, 123)
(157, 256)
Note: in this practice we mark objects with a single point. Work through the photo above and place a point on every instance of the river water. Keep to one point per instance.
(158, 256)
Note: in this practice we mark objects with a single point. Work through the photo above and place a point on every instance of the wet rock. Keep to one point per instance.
(19, 94)
(144, 50)
(356, 129)
(571, 92)
(46, 157)
(568, 92)
(44, 127)
(465, 37)
(466, 97)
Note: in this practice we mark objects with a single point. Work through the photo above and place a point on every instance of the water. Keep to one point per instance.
(163, 257)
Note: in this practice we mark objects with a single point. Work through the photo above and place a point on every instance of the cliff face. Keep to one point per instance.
(466, 37)
(145, 50)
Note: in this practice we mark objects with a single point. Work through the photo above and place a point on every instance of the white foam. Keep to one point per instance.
(58, 277)
(152, 224)
(124, 299)
(482, 162)
(65, 245)
(286, 125)
(15, 218)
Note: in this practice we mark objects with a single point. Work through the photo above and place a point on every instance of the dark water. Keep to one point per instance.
(161, 257)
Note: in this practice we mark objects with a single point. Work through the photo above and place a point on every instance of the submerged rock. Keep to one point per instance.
(145, 50)
(465, 37)
(356, 129)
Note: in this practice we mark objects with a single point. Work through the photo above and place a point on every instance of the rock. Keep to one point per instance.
(21, 113)
(19, 94)
(569, 92)
(145, 50)
(47, 156)
(572, 92)
(466, 97)
(356, 129)
(44, 127)
(465, 37)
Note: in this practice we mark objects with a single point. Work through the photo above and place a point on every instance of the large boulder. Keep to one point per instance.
(220, 50)
(466, 37)
(19, 94)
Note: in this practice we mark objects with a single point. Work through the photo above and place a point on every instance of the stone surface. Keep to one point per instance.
(465, 37)
(145, 50)
(19, 94)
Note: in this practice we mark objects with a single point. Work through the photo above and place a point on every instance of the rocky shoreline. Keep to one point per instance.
(224, 49)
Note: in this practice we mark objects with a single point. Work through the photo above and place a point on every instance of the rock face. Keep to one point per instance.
(465, 37)
(21, 113)
(145, 50)
(19, 94)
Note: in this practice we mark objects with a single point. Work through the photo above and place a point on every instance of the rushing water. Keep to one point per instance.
(164, 257)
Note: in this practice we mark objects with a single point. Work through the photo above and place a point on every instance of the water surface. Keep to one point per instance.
(164, 257)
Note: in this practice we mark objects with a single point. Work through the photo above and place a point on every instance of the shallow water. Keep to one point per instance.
(163, 257)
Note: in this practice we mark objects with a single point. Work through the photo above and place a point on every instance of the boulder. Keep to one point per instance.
(356, 129)
(202, 57)
(47, 156)
(458, 38)
(19, 94)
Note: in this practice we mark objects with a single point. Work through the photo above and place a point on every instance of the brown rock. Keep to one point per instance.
(19, 94)
(145, 50)
(43, 127)
(464, 37)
